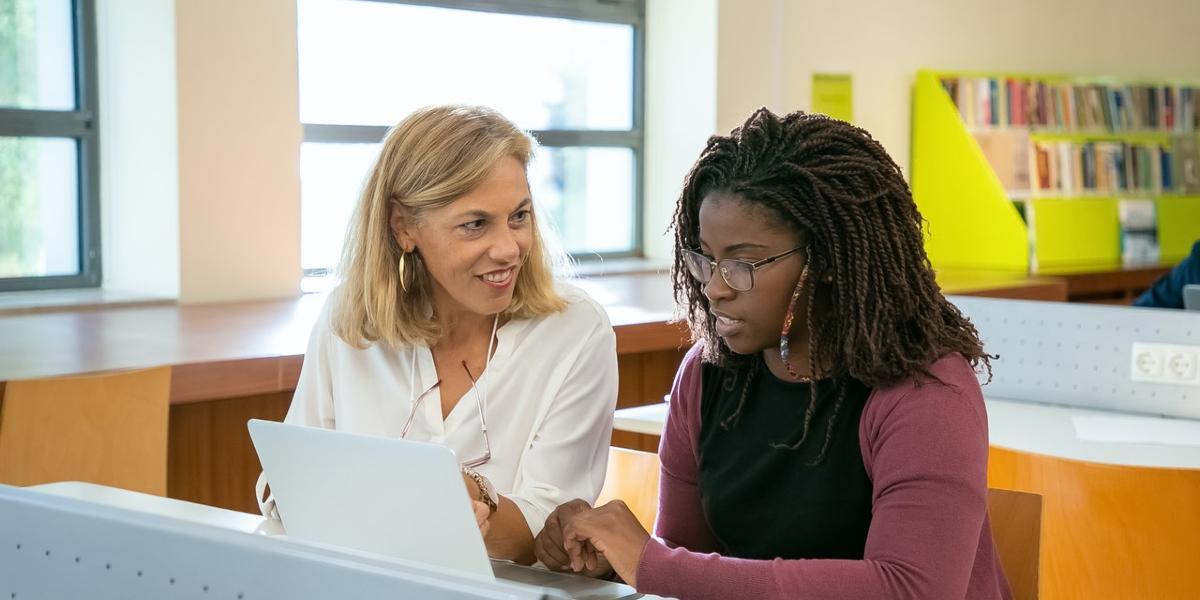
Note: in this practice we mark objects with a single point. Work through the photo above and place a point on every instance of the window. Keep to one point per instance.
(570, 72)
(49, 220)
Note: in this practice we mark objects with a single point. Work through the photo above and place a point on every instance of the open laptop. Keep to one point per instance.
(333, 487)
(1191, 297)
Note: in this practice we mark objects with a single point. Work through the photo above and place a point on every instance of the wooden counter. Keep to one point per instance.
(993, 284)
(1108, 285)
(231, 350)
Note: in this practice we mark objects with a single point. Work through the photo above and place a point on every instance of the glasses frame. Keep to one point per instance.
(487, 442)
(715, 266)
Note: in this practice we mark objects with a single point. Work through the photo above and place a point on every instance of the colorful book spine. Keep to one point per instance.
(1036, 104)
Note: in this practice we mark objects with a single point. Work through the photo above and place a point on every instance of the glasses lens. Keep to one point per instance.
(739, 275)
(698, 266)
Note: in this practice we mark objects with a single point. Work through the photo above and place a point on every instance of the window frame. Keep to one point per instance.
(82, 125)
(624, 12)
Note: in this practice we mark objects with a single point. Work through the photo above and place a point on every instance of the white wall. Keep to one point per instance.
(882, 43)
(681, 85)
(200, 144)
(239, 149)
(139, 157)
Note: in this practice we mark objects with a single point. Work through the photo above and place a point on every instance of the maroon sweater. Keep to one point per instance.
(925, 449)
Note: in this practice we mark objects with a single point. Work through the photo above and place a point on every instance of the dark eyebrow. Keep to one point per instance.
(736, 247)
(743, 246)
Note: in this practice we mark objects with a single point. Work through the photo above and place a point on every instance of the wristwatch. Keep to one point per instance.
(487, 491)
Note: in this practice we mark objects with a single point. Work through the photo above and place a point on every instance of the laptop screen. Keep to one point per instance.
(1191, 297)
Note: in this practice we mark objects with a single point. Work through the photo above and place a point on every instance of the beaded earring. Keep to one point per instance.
(784, 350)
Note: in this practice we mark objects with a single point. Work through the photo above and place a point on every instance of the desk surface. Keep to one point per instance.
(1111, 283)
(164, 507)
(239, 349)
(1021, 426)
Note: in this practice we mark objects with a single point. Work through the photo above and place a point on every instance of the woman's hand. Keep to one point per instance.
(548, 546)
(505, 531)
(482, 514)
(610, 530)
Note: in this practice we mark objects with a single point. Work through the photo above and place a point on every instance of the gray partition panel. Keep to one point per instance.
(1080, 354)
(53, 547)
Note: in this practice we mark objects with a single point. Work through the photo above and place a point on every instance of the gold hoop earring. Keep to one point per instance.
(403, 273)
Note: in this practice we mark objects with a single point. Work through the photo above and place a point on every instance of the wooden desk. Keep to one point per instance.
(999, 284)
(1120, 520)
(233, 350)
(233, 362)
(1108, 285)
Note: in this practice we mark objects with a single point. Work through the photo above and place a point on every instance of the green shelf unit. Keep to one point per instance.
(1178, 226)
(973, 222)
(1075, 233)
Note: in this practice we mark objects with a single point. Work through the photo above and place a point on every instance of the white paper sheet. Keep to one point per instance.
(1137, 430)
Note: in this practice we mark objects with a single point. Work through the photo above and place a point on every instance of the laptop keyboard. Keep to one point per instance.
(561, 586)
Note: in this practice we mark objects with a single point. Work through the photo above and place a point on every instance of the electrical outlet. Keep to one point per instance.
(1147, 362)
(1181, 365)
(1165, 363)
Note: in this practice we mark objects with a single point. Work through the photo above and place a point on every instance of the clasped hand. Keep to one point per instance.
(592, 541)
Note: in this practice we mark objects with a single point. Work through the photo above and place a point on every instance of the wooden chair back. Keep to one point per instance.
(633, 477)
(1017, 531)
(109, 428)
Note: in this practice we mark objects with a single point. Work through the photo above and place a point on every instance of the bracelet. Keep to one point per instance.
(485, 495)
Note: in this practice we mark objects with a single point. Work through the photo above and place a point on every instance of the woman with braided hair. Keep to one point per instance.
(827, 436)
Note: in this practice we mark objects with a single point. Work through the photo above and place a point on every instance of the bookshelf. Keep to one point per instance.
(1055, 173)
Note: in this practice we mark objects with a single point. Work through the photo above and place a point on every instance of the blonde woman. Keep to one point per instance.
(449, 327)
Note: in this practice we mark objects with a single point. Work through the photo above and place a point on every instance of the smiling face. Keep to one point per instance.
(733, 228)
(475, 246)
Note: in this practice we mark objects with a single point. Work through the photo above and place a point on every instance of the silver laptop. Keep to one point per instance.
(1191, 297)
(330, 487)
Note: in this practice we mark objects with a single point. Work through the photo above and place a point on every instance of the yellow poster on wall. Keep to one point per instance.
(833, 95)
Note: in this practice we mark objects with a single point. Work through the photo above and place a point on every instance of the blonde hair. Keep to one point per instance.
(430, 159)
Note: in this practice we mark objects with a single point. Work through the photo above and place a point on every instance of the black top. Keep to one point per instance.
(765, 503)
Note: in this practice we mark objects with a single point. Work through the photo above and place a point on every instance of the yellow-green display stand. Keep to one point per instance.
(971, 223)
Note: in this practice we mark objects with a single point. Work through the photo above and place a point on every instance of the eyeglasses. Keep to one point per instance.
(738, 274)
(487, 442)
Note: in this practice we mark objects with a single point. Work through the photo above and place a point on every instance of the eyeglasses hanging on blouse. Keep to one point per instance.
(480, 399)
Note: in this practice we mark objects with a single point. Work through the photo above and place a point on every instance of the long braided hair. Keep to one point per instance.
(882, 317)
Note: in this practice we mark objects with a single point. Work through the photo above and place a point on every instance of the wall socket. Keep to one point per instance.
(1165, 363)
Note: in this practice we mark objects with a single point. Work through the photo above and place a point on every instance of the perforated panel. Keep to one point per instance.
(1079, 354)
(54, 548)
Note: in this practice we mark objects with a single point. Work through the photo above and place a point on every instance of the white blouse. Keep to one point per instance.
(551, 388)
